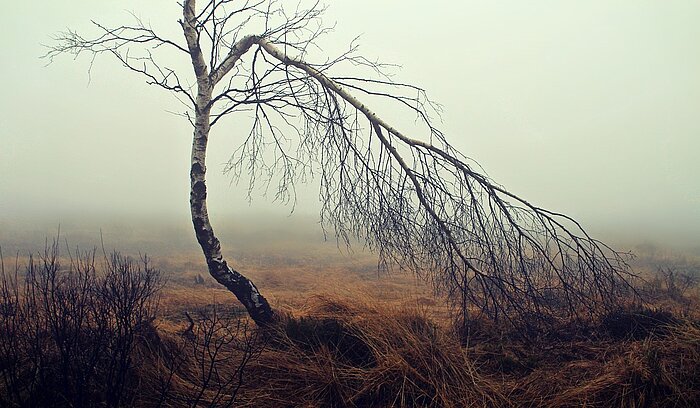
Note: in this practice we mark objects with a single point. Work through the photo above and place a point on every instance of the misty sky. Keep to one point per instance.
(591, 108)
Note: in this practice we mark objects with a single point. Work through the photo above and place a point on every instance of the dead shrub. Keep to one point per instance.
(67, 332)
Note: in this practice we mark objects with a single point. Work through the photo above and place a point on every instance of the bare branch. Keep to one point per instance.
(422, 205)
(118, 42)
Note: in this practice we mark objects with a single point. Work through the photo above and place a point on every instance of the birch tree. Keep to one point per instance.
(408, 194)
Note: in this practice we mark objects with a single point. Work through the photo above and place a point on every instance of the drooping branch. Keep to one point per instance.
(423, 206)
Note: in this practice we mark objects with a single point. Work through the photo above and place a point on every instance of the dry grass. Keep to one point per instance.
(385, 341)
(350, 353)
(652, 372)
(360, 352)
(351, 337)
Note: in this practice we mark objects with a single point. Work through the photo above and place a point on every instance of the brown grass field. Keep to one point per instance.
(350, 336)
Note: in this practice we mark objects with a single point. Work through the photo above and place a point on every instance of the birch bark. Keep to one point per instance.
(243, 288)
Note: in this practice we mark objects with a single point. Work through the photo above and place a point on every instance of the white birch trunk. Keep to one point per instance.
(243, 288)
(246, 292)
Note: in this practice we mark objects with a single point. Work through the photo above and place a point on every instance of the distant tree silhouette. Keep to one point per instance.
(413, 198)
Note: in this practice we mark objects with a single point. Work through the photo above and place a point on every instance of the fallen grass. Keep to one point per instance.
(362, 340)
(356, 351)
(351, 353)
(651, 372)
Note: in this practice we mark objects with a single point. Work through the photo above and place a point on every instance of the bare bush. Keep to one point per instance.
(221, 348)
(677, 283)
(206, 365)
(68, 332)
(673, 286)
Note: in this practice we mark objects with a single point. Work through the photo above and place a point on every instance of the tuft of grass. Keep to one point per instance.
(353, 350)
(349, 353)
(653, 372)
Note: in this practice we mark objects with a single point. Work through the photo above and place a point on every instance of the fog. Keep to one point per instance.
(587, 108)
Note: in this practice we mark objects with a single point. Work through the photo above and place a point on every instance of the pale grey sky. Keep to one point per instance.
(591, 108)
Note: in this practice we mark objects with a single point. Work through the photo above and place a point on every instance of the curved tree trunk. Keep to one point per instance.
(246, 292)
